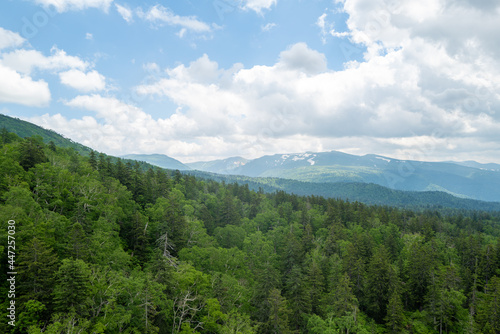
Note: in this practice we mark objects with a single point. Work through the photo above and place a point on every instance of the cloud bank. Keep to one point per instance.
(428, 88)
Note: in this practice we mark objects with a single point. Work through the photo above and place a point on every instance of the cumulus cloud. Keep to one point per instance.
(84, 82)
(25, 61)
(21, 89)
(68, 5)
(394, 100)
(10, 39)
(428, 88)
(117, 125)
(302, 58)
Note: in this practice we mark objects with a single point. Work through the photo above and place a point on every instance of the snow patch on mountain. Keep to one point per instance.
(381, 158)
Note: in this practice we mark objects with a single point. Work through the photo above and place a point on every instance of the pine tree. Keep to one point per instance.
(52, 146)
(278, 313)
(315, 282)
(488, 313)
(395, 318)
(31, 153)
(77, 242)
(73, 286)
(445, 301)
(297, 292)
(93, 160)
(380, 278)
(37, 266)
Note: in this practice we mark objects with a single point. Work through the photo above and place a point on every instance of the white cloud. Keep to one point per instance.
(118, 125)
(84, 82)
(25, 61)
(162, 15)
(125, 12)
(259, 5)
(268, 26)
(203, 70)
(428, 88)
(10, 39)
(20, 89)
(67, 5)
(327, 29)
(300, 57)
(383, 105)
(89, 36)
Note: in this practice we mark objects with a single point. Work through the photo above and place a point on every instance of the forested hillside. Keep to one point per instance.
(26, 129)
(103, 246)
(367, 193)
(467, 180)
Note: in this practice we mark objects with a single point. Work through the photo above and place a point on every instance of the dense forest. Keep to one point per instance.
(108, 246)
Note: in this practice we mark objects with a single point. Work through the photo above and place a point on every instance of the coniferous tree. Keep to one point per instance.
(93, 160)
(379, 281)
(37, 266)
(395, 318)
(72, 289)
(488, 313)
(31, 153)
(278, 313)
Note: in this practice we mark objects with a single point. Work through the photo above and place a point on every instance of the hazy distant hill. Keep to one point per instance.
(467, 180)
(224, 166)
(25, 129)
(367, 193)
(473, 164)
(159, 160)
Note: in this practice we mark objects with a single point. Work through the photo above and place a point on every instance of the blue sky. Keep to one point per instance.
(200, 80)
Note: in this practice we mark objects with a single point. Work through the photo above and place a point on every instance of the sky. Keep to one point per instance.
(212, 79)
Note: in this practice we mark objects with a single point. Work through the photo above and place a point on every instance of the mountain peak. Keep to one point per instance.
(160, 160)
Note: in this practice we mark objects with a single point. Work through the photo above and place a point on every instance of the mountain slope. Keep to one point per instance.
(224, 166)
(360, 191)
(26, 129)
(159, 160)
(467, 180)
(367, 193)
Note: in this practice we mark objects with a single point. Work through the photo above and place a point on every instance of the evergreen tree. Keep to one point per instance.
(395, 318)
(72, 289)
(52, 146)
(488, 315)
(278, 313)
(31, 153)
(445, 301)
(37, 266)
(380, 278)
(93, 160)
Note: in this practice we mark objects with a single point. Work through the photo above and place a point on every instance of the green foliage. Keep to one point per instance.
(31, 153)
(109, 246)
(72, 288)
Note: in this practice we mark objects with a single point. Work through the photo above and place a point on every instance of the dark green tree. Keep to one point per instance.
(37, 266)
(380, 278)
(93, 160)
(488, 313)
(278, 313)
(72, 289)
(31, 152)
(395, 318)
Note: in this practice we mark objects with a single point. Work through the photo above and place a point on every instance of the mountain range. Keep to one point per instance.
(372, 179)
(462, 179)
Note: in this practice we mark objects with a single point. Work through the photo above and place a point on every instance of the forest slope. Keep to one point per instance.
(103, 246)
